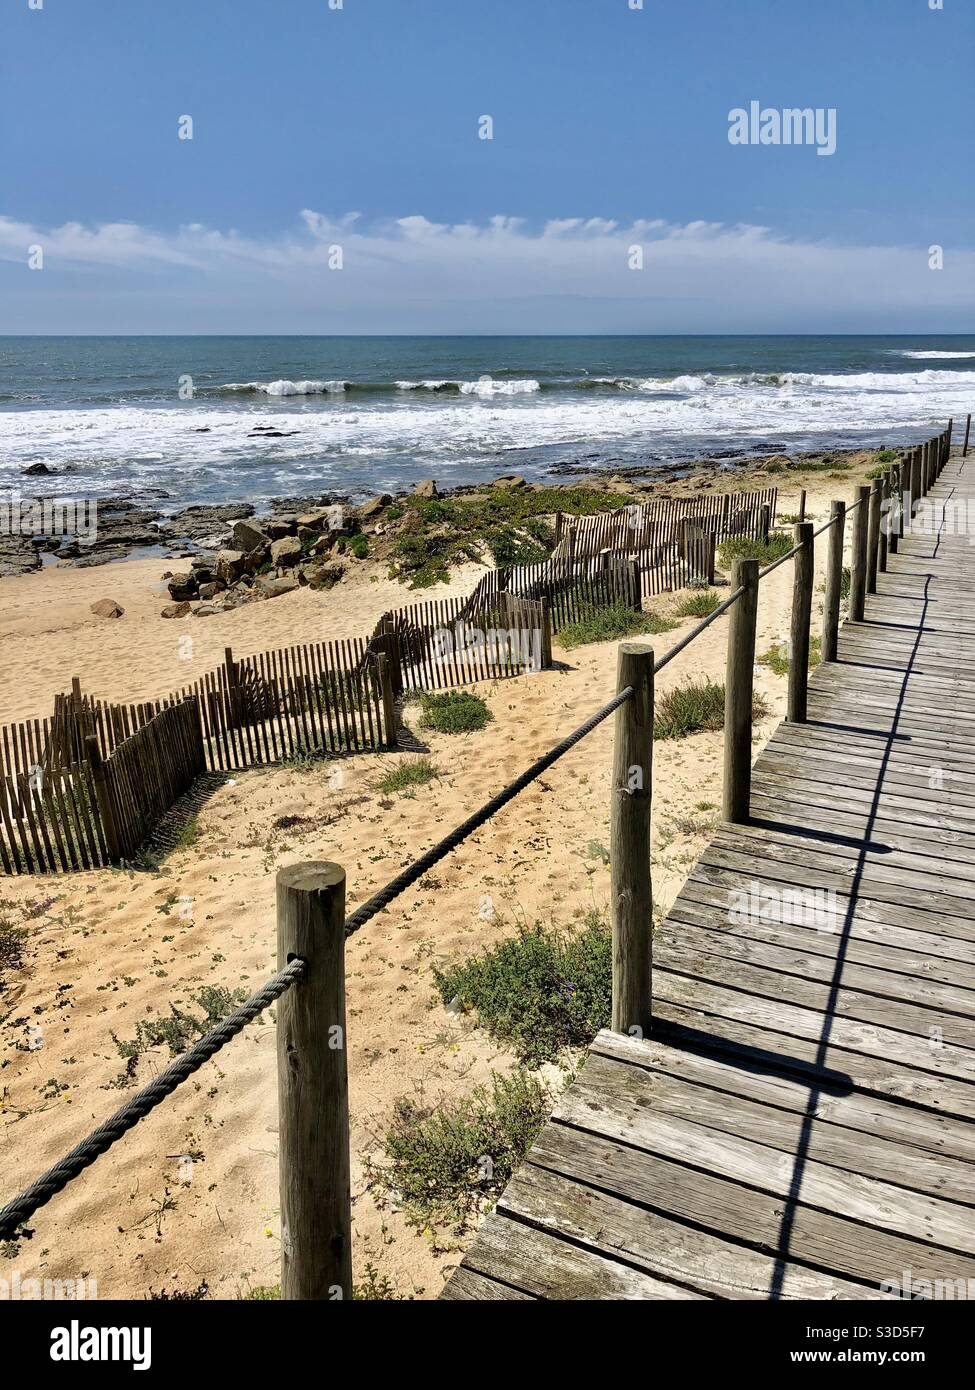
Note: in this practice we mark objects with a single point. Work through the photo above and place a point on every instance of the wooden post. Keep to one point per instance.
(968, 431)
(834, 580)
(884, 524)
(894, 510)
(946, 450)
(559, 523)
(802, 505)
(103, 795)
(739, 693)
(546, 634)
(233, 700)
(629, 845)
(388, 700)
(313, 1087)
(903, 493)
(916, 480)
(802, 588)
(570, 542)
(873, 535)
(766, 521)
(636, 585)
(858, 566)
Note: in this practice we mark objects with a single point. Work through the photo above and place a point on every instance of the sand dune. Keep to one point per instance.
(105, 950)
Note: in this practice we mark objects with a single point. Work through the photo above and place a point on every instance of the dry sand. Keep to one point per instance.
(105, 950)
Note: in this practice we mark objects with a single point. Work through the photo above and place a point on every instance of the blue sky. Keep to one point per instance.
(600, 112)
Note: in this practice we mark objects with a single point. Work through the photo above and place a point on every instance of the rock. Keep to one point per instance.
(326, 576)
(230, 565)
(280, 526)
(107, 608)
(315, 521)
(307, 535)
(375, 505)
(286, 552)
(175, 610)
(247, 536)
(208, 591)
(509, 480)
(426, 488)
(38, 470)
(268, 586)
(182, 587)
(201, 523)
(206, 610)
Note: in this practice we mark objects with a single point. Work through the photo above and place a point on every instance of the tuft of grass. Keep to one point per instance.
(609, 623)
(455, 712)
(696, 707)
(451, 1162)
(374, 1287)
(413, 774)
(12, 942)
(359, 547)
(699, 604)
(777, 656)
(742, 548)
(539, 992)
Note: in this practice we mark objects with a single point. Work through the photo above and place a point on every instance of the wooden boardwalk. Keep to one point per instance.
(802, 1123)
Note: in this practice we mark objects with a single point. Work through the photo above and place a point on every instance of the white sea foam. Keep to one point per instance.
(287, 388)
(174, 447)
(489, 386)
(910, 353)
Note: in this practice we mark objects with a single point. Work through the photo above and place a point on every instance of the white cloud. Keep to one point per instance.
(412, 274)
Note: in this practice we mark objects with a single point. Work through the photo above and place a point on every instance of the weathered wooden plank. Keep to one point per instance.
(545, 1266)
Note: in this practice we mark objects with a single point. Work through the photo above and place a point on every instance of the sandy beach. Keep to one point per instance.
(103, 950)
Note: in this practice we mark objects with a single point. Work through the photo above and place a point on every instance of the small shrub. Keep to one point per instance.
(696, 707)
(777, 656)
(359, 547)
(540, 991)
(455, 712)
(450, 1163)
(407, 775)
(609, 623)
(743, 548)
(698, 605)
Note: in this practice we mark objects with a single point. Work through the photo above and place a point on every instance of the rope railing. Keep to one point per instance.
(83, 1155)
(313, 926)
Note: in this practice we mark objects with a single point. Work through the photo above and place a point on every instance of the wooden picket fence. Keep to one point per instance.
(95, 811)
(88, 785)
(451, 642)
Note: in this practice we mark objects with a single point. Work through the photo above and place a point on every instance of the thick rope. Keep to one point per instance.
(450, 842)
(15, 1213)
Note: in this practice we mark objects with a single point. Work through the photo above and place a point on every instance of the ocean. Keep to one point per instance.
(214, 419)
